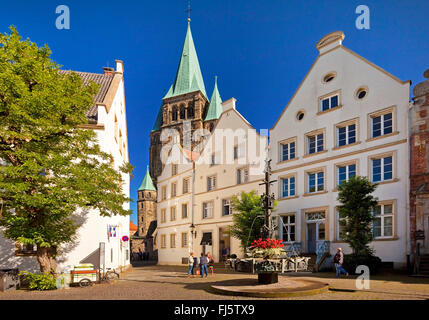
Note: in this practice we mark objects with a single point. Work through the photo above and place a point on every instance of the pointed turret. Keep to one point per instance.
(188, 76)
(215, 107)
(147, 183)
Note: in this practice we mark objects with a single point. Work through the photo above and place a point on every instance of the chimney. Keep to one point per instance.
(119, 66)
(108, 71)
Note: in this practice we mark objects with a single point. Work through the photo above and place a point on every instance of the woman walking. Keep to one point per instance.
(211, 263)
(191, 264)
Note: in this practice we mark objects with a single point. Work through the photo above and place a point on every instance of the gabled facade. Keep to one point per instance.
(347, 117)
(107, 117)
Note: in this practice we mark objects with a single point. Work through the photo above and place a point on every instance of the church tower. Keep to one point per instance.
(146, 217)
(185, 108)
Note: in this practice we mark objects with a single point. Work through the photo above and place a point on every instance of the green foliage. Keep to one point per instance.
(357, 205)
(51, 166)
(39, 281)
(247, 211)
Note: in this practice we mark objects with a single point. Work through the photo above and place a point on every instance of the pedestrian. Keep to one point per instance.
(211, 263)
(195, 266)
(191, 264)
(203, 265)
(338, 261)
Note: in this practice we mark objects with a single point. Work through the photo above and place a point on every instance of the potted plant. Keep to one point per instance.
(267, 249)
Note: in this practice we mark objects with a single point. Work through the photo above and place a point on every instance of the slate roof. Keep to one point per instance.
(104, 80)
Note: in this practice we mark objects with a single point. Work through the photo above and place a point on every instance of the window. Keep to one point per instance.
(300, 115)
(182, 112)
(346, 135)
(172, 240)
(382, 226)
(329, 77)
(226, 207)
(163, 241)
(340, 228)
(288, 187)
(186, 185)
(242, 175)
(191, 111)
(173, 189)
(288, 228)
(381, 125)
(361, 93)
(184, 211)
(316, 182)
(236, 152)
(345, 172)
(172, 213)
(329, 102)
(211, 183)
(315, 143)
(174, 169)
(287, 151)
(164, 193)
(382, 169)
(174, 113)
(184, 239)
(163, 215)
(207, 210)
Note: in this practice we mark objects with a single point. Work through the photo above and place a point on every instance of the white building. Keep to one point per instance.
(108, 119)
(347, 117)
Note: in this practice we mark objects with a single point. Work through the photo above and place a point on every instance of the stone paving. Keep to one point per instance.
(171, 282)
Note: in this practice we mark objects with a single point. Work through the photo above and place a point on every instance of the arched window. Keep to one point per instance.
(182, 112)
(174, 114)
(191, 111)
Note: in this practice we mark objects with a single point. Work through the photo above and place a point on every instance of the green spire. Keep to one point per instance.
(215, 107)
(188, 76)
(147, 183)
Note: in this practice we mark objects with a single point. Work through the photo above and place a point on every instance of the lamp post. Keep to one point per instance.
(267, 201)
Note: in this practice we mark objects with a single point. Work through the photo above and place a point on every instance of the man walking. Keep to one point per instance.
(338, 261)
(203, 265)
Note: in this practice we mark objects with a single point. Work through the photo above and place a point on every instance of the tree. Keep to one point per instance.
(52, 169)
(357, 205)
(248, 218)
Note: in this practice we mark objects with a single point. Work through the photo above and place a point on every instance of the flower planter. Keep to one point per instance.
(268, 277)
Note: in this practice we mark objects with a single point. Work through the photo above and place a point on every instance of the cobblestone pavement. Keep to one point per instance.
(171, 282)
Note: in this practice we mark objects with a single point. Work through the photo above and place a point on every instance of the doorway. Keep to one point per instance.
(224, 244)
(315, 230)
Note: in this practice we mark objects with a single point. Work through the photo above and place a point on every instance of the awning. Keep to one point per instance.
(207, 239)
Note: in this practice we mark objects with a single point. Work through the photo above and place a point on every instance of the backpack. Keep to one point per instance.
(337, 258)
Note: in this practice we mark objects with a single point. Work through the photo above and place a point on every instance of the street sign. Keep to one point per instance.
(125, 238)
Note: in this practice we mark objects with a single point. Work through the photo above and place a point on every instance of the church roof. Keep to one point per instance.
(188, 76)
(147, 183)
(215, 107)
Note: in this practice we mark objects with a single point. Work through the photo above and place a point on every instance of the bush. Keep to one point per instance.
(233, 256)
(352, 261)
(39, 281)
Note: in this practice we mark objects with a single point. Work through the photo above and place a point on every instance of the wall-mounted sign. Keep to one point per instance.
(125, 238)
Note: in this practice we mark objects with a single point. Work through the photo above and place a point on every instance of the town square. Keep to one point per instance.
(214, 151)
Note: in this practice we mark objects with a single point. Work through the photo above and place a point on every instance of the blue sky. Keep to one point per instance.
(260, 50)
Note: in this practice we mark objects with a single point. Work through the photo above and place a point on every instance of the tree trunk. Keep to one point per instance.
(46, 259)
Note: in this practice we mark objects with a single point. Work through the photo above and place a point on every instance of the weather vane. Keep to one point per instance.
(189, 11)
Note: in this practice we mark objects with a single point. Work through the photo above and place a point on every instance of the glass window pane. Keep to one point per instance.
(376, 227)
(325, 104)
(334, 101)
